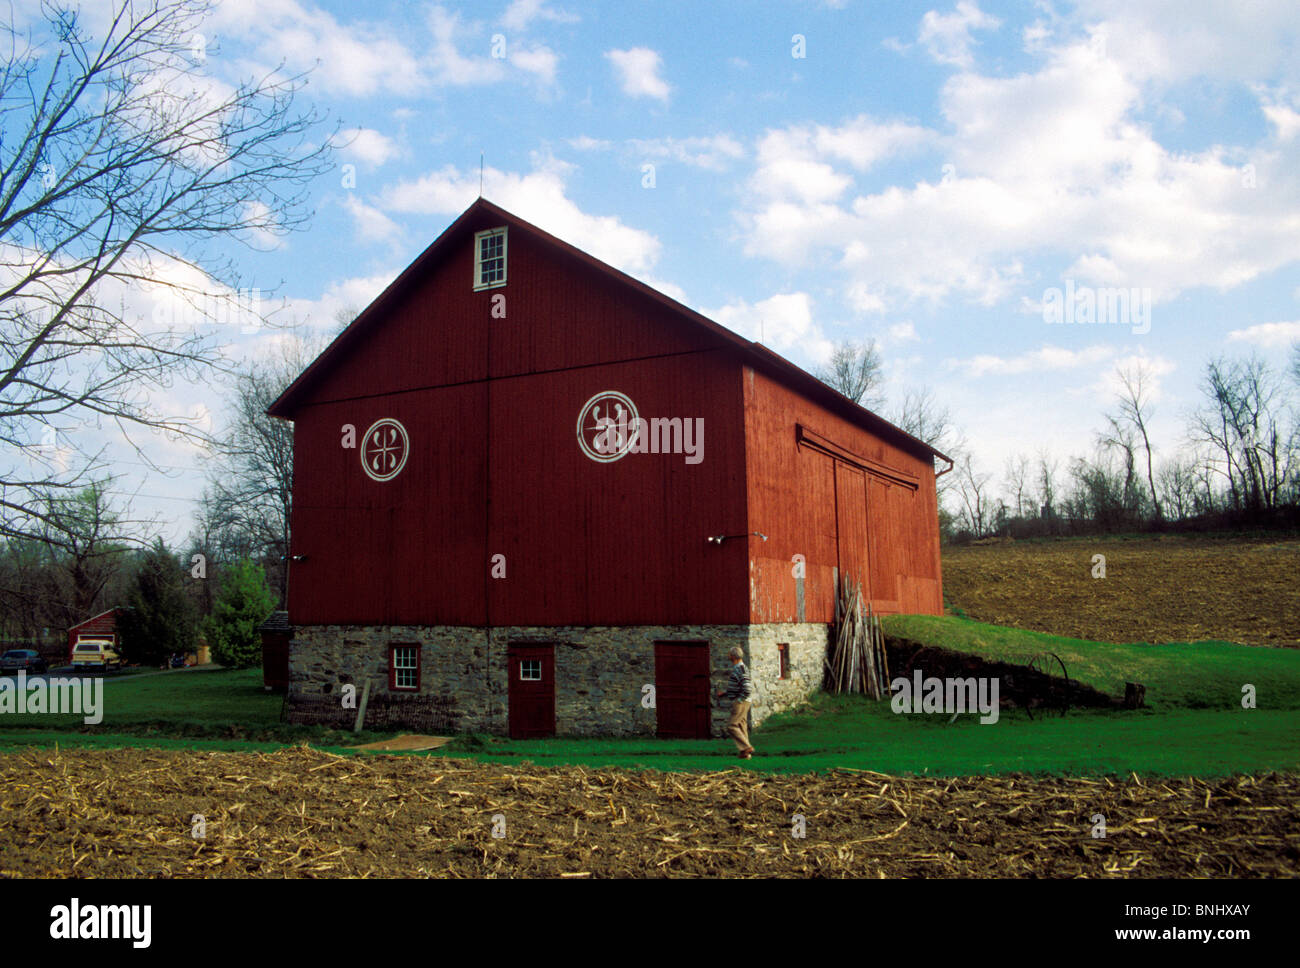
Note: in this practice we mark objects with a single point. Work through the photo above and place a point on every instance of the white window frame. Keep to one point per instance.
(413, 669)
(526, 666)
(478, 258)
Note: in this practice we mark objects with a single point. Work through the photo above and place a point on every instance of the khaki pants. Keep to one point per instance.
(738, 726)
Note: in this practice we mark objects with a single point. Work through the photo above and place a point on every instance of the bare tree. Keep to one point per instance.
(1243, 424)
(1119, 438)
(854, 370)
(1135, 413)
(1177, 482)
(251, 498)
(80, 533)
(925, 419)
(121, 159)
(1017, 483)
(972, 488)
(1047, 469)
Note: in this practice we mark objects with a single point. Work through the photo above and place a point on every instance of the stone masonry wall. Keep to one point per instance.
(599, 671)
(807, 642)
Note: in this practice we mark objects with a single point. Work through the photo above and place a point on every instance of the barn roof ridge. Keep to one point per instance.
(87, 621)
(766, 359)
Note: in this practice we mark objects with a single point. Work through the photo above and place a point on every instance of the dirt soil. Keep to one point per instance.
(304, 813)
(1165, 589)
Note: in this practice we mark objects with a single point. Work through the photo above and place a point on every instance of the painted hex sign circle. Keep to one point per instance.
(384, 449)
(607, 426)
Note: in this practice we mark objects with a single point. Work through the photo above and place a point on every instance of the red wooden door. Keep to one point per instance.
(851, 526)
(682, 689)
(887, 515)
(532, 690)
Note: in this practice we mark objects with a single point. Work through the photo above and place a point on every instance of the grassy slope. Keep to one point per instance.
(1198, 675)
(1196, 723)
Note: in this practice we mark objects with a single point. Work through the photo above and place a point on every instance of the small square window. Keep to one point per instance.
(404, 668)
(490, 259)
(530, 670)
(783, 654)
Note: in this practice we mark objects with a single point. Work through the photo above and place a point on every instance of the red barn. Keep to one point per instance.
(546, 498)
(101, 627)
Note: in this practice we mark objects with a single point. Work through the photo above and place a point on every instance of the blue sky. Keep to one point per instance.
(921, 174)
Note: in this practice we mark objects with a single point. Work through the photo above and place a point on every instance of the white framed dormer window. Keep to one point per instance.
(490, 258)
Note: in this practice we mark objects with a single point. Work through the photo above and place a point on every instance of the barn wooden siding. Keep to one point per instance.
(844, 499)
(491, 406)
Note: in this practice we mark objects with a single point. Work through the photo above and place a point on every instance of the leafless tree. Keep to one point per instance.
(972, 488)
(1047, 470)
(1243, 422)
(922, 416)
(1134, 415)
(122, 165)
(854, 370)
(1120, 439)
(1017, 483)
(1177, 482)
(80, 533)
(251, 499)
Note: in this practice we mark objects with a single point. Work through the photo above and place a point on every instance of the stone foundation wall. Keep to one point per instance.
(807, 650)
(600, 672)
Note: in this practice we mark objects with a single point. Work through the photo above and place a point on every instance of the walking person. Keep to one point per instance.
(740, 693)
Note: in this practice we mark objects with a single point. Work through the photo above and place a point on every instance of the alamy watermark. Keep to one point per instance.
(1106, 306)
(55, 697)
(932, 695)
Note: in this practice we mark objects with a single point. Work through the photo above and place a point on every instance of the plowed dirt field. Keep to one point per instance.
(1167, 589)
(303, 813)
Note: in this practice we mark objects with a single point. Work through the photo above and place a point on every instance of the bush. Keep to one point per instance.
(242, 604)
(159, 619)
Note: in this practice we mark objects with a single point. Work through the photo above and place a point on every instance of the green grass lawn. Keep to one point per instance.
(1196, 675)
(1195, 724)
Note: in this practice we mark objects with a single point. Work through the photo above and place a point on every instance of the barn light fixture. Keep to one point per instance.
(299, 557)
(719, 538)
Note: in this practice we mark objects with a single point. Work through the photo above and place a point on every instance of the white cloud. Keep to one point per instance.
(587, 143)
(714, 153)
(904, 332)
(1046, 358)
(539, 61)
(372, 224)
(783, 322)
(356, 59)
(795, 163)
(1125, 212)
(452, 67)
(347, 296)
(1170, 40)
(368, 145)
(538, 197)
(521, 13)
(863, 300)
(638, 70)
(948, 38)
(1267, 334)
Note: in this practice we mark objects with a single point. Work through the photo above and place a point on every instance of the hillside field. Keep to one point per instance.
(1156, 589)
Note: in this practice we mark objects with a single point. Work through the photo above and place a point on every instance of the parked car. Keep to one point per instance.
(16, 659)
(95, 653)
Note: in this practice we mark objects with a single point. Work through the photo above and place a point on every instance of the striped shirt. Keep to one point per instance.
(739, 686)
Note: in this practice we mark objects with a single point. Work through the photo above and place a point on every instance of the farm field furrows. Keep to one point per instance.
(1160, 589)
(304, 813)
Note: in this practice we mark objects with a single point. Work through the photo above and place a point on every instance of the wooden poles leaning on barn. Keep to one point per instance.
(857, 662)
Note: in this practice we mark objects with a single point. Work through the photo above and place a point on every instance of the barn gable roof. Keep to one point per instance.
(110, 613)
(757, 355)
